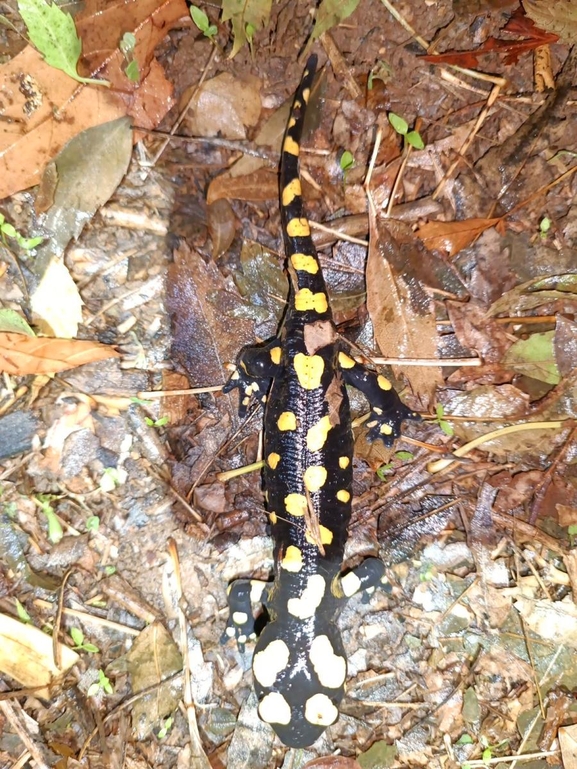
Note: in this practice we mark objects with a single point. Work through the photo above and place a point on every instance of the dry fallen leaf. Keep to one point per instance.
(259, 185)
(559, 17)
(44, 107)
(26, 655)
(225, 106)
(453, 236)
(21, 354)
(568, 744)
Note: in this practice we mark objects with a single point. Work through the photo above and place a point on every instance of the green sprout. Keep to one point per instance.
(156, 422)
(80, 644)
(103, 685)
(55, 531)
(443, 424)
(127, 46)
(401, 126)
(202, 21)
(8, 230)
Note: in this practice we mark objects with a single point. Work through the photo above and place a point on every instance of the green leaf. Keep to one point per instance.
(534, 357)
(465, 739)
(53, 33)
(12, 321)
(330, 13)
(93, 689)
(200, 18)
(487, 755)
(446, 427)
(572, 529)
(128, 43)
(77, 636)
(241, 14)
(383, 470)
(90, 648)
(21, 612)
(9, 230)
(28, 243)
(544, 225)
(415, 140)
(404, 455)
(55, 532)
(92, 523)
(398, 123)
(347, 160)
(132, 71)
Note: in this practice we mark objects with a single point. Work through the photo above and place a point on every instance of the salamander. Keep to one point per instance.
(299, 665)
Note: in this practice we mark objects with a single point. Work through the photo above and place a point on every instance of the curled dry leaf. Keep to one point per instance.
(451, 237)
(225, 106)
(21, 354)
(27, 655)
(260, 185)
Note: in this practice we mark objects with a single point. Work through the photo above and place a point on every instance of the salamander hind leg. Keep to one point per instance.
(242, 594)
(387, 410)
(364, 578)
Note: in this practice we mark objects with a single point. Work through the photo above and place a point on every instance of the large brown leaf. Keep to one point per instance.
(400, 310)
(21, 354)
(451, 237)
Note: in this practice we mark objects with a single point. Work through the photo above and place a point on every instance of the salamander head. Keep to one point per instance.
(299, 670)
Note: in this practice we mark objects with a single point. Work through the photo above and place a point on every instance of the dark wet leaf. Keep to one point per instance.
(221, 226)
(400, 310)
(153, 657)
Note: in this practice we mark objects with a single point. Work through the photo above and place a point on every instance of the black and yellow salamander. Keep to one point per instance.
(299, 663)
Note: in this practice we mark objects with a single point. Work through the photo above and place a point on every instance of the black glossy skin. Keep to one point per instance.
(308, 480)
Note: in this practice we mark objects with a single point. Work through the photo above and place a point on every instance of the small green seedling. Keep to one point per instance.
(127, 46)
(109, 570)
(381, 71)
(165, 728)
(102, 685)
(347, 161)
(249, 31)
(401, 126)
(399, 456)
(202, 21)
(80, 644)
(8, 230)
(572, 532)
(112, 477)
(92, 523)
(465, 739)
(544, 227)
(55, 532)
(23, 615)
(443, 424)
(156, 422)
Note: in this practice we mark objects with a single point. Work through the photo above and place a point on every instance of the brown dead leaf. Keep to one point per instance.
(400, 310)
(453, 236)
(568, 744)
(221, 226)
(260, 185)
(76, 415)
(21, 354)
(34, 130)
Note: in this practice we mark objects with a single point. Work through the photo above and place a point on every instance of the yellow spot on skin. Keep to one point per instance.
(326, 536)
(305, 263)
(269, 662)
(331, 668)
(298, 228)
(310, 599)
(315, 477)
(274, 709)
(383, 382)
(239, 617)
(345, 361)
(296, 504)
(235, 375)
(291, 191)
(343, 495)
(257, 588)
(293, 559)
(344, 462)
(275, 355)
(273, 460)
(317, 434)
(291, 122)
(386, 430)
(306, 94)
(306, 300)
(309, 370)
(350, 584)
(290, 146)
(320, 710)
(287, 421)
(273, 518)
(297, 105)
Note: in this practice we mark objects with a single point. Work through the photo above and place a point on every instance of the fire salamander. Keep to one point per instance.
(299, 663)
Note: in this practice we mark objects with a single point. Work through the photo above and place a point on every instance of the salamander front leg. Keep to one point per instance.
(255, 367)
(387, 409)
(242, 594)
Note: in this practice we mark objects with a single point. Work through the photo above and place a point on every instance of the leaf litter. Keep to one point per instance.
(456, 657)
